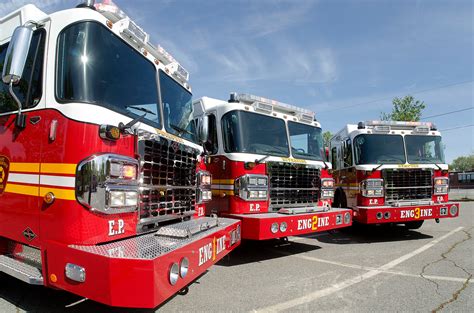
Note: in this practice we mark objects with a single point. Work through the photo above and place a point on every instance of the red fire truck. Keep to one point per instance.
(391, 172)
(100, 173)
(268, 167)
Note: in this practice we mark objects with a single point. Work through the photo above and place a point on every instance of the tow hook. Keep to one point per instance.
(437, 220)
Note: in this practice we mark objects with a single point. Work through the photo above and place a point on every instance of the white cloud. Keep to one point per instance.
(276, 16)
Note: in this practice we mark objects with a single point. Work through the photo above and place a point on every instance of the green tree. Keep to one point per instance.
(404, 109)
(463, 163)
(327, 135)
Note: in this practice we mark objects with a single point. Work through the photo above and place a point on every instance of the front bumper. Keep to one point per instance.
(134, 272)
(258, 226)
(389, 214)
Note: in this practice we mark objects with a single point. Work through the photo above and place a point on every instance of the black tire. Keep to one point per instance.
(340, 200)
(413, 225)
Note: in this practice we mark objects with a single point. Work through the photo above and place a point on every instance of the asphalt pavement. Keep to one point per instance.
(363, 269)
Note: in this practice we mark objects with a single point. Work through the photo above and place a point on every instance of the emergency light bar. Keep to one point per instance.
(176, 69)
(131, 30)
(268, 105)
(421, 127)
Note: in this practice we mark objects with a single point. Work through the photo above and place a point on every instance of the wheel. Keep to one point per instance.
(413, 225)
(340, 200)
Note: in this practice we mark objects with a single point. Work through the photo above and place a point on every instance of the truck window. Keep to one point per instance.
(334, 158)
(96, 66)
(212, 144)
(348, 153)
(177, 108)
(30, 87)
(424, 149)
(306, 141)
(379, 149)
(249, 132)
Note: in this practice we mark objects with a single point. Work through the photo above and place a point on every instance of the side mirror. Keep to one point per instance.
(17, 52)
(15, 60)
(203, 128)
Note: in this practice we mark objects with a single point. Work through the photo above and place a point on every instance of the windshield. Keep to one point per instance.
(254, 133)
(95, 66)
(424, 149)
(379, 149)
(306, 141)
(177, 108)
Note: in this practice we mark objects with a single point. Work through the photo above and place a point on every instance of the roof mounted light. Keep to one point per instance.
(176, 69)
(361, 125)
(233, 98)
(400, 124)
(87, 4)
(277, 106)
(263, 107)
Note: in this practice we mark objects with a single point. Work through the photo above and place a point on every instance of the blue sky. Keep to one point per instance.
(345, 60)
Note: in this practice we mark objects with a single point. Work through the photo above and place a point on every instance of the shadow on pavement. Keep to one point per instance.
(40, 299)
(361, 234)
(255, 251)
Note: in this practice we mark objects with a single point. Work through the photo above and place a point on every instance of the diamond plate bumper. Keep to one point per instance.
(258, 226)
(134, 272)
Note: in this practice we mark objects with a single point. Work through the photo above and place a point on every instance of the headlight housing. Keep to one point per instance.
(327, 188)
(252, 187)
(204, 193)
(372, 188)
(108, 183)
(441, 185)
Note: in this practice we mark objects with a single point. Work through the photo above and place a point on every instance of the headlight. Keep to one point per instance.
(327, 188)
(108, 183)
(252, 187)
(453, 210)
(204, 178)
(441, 181)
(372, 188)
(204, 193)
(174, 274)
(183, 267)
(274, 228)
(441, 185)
(283, 227)
(347, 217)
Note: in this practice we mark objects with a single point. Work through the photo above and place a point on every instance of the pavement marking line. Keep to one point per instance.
(368, 268)
(352, 281)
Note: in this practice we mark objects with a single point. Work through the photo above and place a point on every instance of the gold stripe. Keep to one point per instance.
(22, 189)
(221, 193)
(64, 194)
(223, 181)
(58, 168)
(25, 167)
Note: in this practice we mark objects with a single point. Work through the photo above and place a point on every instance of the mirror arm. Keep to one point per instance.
(20, 119)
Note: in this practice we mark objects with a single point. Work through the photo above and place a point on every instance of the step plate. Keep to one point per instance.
(151, 245)
(22, 271)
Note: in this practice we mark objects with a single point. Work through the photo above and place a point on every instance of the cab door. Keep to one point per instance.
(20, 149)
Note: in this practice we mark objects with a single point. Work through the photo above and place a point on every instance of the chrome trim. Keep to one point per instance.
(93, 183)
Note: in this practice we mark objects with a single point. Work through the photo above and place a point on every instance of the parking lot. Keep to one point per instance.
(362, 269)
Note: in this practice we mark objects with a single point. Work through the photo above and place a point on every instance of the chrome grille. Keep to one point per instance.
(407, 184)
(293, 185)
(167, 179)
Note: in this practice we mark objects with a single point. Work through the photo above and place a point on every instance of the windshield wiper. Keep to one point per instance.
(180, 130)
(126, 127)
(140, 109)
(258, 161)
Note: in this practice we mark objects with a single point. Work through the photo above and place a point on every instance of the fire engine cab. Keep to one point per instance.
(268, 167)
(100, 163)
(391, 172)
